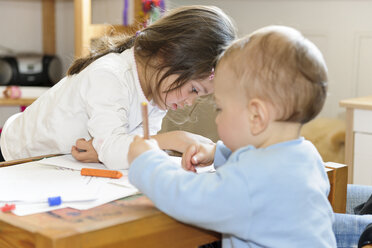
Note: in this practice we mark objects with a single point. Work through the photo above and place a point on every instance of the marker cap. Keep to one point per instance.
(54, 201)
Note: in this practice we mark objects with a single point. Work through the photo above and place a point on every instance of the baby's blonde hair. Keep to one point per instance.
(279, 65)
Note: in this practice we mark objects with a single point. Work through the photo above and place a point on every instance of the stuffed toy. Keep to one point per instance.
(328, 136)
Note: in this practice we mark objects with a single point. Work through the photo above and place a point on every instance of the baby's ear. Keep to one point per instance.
(259, 116)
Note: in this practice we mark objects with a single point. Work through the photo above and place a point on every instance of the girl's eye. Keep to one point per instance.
(194, 90)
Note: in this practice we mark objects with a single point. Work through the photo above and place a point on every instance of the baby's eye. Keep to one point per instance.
(194, 90)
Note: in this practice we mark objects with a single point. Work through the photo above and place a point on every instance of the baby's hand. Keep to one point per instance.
(84, 151)
(198, 155)
(139, 146)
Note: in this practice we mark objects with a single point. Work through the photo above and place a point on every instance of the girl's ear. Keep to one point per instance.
(259, 116)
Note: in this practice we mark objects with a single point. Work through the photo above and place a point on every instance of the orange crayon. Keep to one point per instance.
(101, 173)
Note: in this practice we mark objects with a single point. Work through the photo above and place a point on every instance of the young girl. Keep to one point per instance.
(270, 186)
(169, 64)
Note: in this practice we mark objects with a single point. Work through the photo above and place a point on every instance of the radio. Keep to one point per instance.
(30, 70)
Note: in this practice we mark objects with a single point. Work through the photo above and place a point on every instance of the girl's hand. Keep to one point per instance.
(139, 146)
(198, 155)
(84, 151)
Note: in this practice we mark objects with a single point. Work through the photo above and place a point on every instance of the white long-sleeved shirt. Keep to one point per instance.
(268, 197)
(101, 102)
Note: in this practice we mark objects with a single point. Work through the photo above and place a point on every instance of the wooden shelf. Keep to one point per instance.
(16, 102)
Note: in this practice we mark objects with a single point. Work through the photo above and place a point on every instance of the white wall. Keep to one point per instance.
(342, 29)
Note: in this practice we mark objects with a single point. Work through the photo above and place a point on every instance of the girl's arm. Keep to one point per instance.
(175, 140)
(179, 140)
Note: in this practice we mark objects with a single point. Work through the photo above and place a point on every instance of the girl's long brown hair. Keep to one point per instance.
(187, 41)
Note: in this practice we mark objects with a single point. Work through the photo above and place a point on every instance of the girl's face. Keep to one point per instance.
(186, 94)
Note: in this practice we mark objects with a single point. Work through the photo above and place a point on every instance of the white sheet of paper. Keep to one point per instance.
(34, 183)
(68, 161)
(109, 192)
(30, 184)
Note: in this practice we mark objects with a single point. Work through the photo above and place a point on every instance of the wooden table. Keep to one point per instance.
(132, 222)
(129, 222)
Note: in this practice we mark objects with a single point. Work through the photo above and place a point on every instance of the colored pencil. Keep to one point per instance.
(26, 160)
(145, 120)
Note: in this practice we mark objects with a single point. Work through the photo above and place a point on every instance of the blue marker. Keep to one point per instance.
(54, 201)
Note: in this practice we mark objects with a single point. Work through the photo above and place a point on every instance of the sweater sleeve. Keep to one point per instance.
(221, 155)
(186, 196)
(107, 104)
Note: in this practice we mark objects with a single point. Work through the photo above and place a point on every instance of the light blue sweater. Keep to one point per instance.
(268, 197)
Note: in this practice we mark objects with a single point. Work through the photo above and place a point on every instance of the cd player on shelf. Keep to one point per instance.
(30, 70)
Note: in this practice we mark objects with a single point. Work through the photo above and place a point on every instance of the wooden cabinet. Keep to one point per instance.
(358, 146)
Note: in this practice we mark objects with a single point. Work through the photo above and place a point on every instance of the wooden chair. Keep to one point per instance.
(337, 175)
(85, 31)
